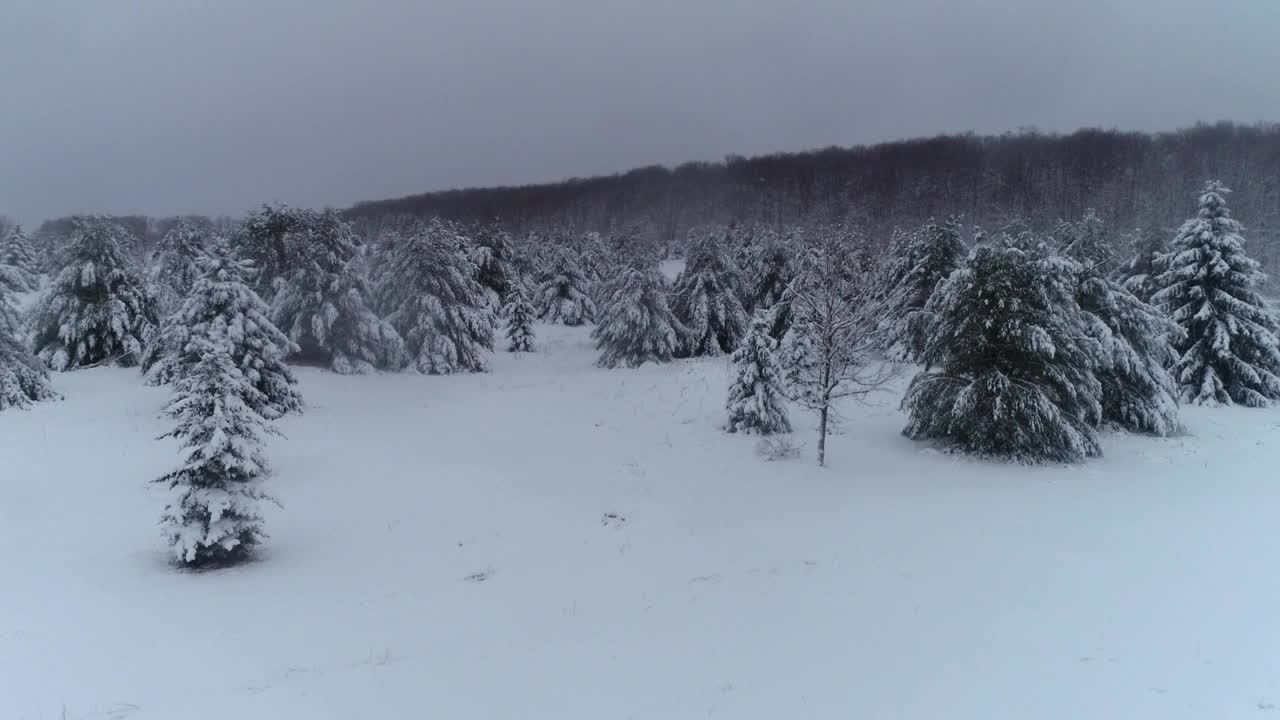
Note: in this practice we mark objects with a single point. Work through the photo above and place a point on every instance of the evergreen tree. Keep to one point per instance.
(23, 380)
(519, 314)
(768, 269)
(931, 255)
(1138, 393)
(276, 239)
(321, 303)
(96, 309)
(175, 265)
(1138, 273)
(1229, 352)
(222, 294)
(636, 326)
(756, 403)
(705, 301)
(1088, 242)
(563, 296)
(19, 267)
(1016, 361)
(440, 309)
(494, 262)
(212, 517)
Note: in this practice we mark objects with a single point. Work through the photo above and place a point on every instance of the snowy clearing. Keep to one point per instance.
(554, 540)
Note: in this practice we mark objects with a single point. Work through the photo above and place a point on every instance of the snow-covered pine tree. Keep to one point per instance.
(756, 403)
(439, 308)
(212, 517)
(636, 326)
(96, 309)
(222, 294)
(520, 314)
(563, 297)
(274, 237)
(1016, 363)
(1088, 241)
(828, 352)
(23, 380)
(705, 301)
(19, 267)
(1138, 273)
(174, 265)
(1138, 393)
(768, 268)
(932, 253)
(322, 303)
(1229, 353)
(493, 259)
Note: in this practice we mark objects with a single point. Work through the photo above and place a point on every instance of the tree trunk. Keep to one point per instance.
(822, 437)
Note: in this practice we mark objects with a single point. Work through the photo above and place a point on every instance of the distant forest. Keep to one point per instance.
(1132, 179)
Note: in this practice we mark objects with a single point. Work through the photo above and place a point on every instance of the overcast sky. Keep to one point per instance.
(176, 106)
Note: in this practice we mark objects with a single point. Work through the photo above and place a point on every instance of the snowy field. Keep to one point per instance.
(556, 541)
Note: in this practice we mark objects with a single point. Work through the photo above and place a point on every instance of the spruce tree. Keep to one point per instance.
(563, 297)
(705, 301)
(519, 314)
(19, 267)
(275, 238)
(222, 294)
(23, 380)
(931, 254)
(212, 517)
(322, 303)
(756, 403)
(175, 265)
(1229, 352)
(1015, 361)
(494, 262)
(439, 308)
(1089, 242)
(96, 309)
(636, 326)
(1138, 273)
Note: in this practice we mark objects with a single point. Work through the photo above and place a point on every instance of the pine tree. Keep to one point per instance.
(756, 403)
(1229, 352)
(439, 308)
(931, 255)
(23, 380)
(96, 309)
(175, 265)
(494, 262)
(1088, 241)
(768, 269)
(1137, 392)
(705, 301)
(1016, 361)
(212, 517)
(19, 267)
(321, 303)
(1137, 275)
(827, 354)
(222, 294)
(275, 238)
(636, 326)
(563, 296)
(519, 314)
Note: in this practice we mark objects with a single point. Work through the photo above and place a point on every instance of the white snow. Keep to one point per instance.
(553, 540)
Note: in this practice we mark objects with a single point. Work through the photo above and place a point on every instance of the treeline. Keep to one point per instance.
(1131, 179)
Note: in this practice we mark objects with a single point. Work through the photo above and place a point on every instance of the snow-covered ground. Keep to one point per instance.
(557, 541)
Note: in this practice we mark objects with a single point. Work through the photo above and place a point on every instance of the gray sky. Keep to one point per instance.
(173, 106)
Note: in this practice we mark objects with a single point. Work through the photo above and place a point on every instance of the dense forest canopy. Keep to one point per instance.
(1132, 179)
